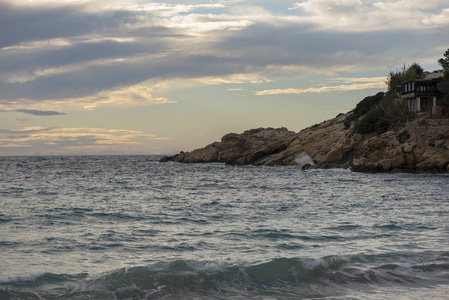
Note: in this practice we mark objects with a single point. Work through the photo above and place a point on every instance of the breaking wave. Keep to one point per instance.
(303, 160)
(279, 278)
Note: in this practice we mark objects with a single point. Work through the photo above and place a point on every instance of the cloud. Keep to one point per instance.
(26, 130)
(132, 95)
(234, 78)
(161, 9)
(438, 20)
(364, 83)
(365, 15)
(39, 112)
(114, 53)
(66, 140)
(197, 23)
(26, 23)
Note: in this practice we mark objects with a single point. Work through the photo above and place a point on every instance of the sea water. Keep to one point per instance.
(129, 227)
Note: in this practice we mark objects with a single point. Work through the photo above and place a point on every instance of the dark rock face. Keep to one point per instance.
(332, 145)
(239, 149)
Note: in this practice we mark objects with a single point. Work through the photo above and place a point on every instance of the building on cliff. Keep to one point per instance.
(422, 94)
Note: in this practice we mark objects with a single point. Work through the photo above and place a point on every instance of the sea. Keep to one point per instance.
(129, 227)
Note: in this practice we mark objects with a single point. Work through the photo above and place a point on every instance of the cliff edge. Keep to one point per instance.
(420, 146)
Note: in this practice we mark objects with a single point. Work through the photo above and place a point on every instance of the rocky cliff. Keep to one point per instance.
(420, 146)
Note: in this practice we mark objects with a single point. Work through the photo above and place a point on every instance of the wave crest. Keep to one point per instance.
(279, 277)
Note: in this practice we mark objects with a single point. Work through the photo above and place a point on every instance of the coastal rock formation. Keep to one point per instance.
(420, 146)
(239, 149)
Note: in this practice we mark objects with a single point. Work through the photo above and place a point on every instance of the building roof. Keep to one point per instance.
(434, 75)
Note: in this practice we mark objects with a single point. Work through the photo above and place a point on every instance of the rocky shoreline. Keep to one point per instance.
(420, 146)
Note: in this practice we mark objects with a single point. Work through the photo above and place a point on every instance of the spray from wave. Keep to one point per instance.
(304, 160)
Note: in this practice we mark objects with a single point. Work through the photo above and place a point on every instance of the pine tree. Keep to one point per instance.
(443, 86)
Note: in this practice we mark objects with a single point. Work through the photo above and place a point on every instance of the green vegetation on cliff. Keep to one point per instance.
(383, 111)
(444, 84)
(363, 107)
(396, 78)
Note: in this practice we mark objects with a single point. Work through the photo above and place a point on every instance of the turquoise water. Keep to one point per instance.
(129, 227)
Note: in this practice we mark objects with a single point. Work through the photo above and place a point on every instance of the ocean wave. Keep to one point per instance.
(279, 278)
(5, 219)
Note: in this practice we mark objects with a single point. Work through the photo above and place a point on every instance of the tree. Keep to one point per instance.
(444, 62)
(415, 71)
(395, 78)
(443, 86)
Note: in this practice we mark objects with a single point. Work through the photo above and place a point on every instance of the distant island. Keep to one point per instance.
(405, 129)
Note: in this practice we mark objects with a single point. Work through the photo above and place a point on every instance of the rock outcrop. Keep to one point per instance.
(239, 149)
(420, 146)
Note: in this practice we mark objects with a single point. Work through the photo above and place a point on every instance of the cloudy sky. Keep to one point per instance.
(141, 77)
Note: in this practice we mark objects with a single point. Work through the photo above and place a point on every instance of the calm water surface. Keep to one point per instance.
(128, 227)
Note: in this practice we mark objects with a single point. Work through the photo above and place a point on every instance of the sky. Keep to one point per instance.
(143, 77)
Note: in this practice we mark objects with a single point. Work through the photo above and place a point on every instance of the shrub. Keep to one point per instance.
(403, 137)
(395, 110)
(374, 121)
(363, 107)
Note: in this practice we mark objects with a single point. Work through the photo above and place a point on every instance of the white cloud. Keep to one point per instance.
(234, 78)
(204, 26)
(368, 15)
(416, 4)
(139, 94)
(373, 80)
(438, 20)
(353, 84)
(161, 9)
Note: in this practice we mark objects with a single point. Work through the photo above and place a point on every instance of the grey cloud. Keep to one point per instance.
(86, 51)
(253, 51)
(267, 45)
(24, 131)
(61, 143)
(39, 112)
(28, 23)
(250, 50)
(86, 140)
(104, 77)
(247, 51)
(22, 119)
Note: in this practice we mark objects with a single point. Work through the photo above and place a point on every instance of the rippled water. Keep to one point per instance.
(128, 227)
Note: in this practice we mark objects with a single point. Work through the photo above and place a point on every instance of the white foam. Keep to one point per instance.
(210, 266)
(20, 278)
(340, 170)
(303, 159)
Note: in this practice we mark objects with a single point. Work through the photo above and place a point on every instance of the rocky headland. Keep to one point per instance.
(417, 146)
